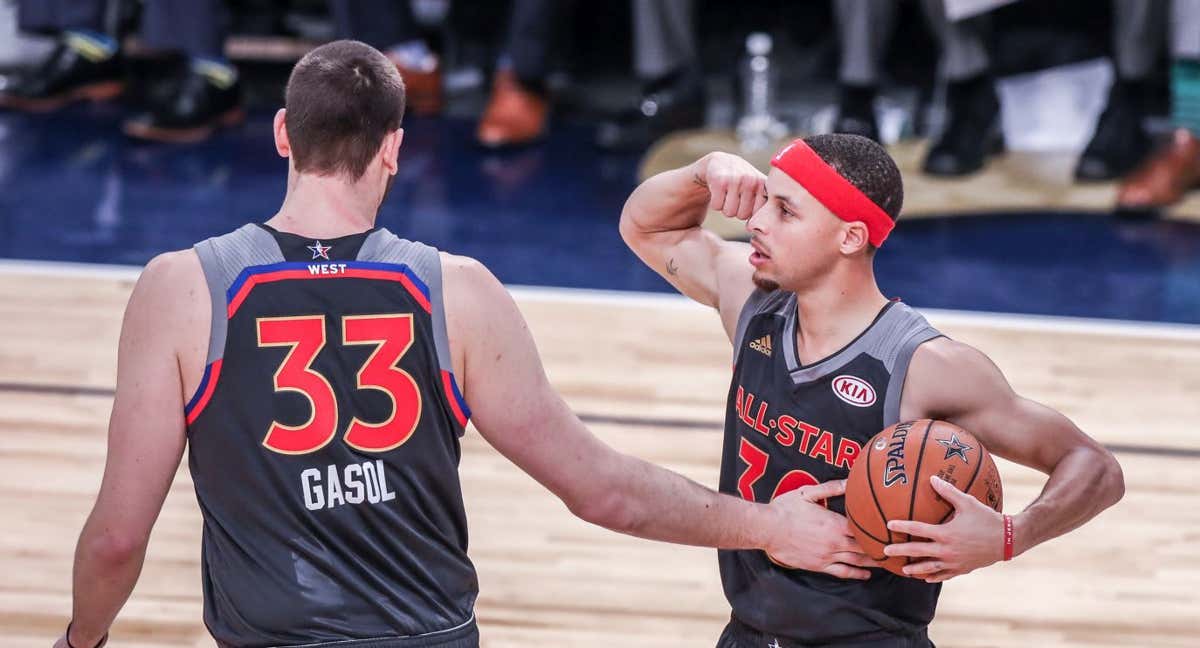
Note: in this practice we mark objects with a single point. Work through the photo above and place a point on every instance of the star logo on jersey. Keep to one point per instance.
(955, 448)
(319, 251)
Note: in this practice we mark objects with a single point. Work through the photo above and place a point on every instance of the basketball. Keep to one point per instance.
(892, 482)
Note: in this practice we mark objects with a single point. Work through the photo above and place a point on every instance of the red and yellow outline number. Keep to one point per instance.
(393, 336)
(306, 337)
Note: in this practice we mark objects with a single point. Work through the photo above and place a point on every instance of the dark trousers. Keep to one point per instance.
(378, 23)
(193, 27)
(531, 37)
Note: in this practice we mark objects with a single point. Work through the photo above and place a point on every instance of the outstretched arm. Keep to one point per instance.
(146, 438)
(517, 411)
(661, 224)
(954, 382)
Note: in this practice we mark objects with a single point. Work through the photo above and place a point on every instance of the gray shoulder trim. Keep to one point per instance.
(899, 352)
(424, 261)
(223, 258)
(759, 301)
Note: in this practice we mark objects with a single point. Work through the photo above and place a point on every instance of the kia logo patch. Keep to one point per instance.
(854, 391)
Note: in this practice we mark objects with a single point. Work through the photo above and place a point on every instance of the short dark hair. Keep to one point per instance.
(866, 165)
(342, 99)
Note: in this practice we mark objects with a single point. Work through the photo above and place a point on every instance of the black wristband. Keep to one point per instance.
(67, 637)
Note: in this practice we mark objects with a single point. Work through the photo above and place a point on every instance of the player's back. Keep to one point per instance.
(324, 445)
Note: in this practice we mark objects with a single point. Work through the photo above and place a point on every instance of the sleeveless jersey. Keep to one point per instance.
(324, 444)
(788, 426)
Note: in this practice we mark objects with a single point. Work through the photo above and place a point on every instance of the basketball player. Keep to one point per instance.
(327, 366)
(823, 362)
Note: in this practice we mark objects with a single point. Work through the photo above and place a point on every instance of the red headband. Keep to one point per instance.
(803, 165)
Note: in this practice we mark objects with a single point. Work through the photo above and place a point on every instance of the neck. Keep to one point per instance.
(326, 207)
(836, 311)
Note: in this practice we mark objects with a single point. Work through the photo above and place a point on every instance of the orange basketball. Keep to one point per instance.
(890, 481)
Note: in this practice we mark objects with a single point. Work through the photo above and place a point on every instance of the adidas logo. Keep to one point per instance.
(762, 345)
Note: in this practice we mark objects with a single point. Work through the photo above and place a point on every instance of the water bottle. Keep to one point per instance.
(758, 128)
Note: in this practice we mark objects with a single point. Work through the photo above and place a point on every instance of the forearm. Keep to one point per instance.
(673, 200)
(650, 502)
(106, 570)
(1083, 483)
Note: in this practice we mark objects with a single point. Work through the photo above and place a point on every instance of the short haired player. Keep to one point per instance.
(318, 368)
(806, 318)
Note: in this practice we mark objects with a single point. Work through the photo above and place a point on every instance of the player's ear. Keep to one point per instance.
(282, 145)
(855, 238)
(391, 150)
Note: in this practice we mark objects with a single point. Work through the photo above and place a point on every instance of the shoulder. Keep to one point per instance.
(464, 274)
(470, 291)
(171, 271)
(947, 377)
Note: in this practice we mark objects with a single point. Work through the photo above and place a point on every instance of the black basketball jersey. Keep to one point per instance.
(788, 426)
(324, 444)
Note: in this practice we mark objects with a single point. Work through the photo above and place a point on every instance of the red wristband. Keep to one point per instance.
(1008, 537)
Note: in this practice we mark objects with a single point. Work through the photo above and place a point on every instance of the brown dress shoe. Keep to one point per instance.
(514, 115)
(422, 85)
(1166, 176)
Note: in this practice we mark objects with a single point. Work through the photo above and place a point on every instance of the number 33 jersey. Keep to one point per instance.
(324, 442)
(789, 426)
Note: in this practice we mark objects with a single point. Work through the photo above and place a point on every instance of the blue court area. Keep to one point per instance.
(72, 188)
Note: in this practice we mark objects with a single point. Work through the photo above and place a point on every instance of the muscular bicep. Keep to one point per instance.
(954, 382)
(146, 431)
(700, 265)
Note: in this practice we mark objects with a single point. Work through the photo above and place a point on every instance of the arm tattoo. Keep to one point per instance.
(698, 180)
(672, 269)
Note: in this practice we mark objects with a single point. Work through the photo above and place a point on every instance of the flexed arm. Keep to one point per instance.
(661, 224)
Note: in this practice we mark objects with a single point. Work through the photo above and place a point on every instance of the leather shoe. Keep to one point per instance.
(66, 76)
(515, 115)
(670, 104)
(1120, 141)
(856, 112)
(972, 130)
(191, 113)
(1166, 176)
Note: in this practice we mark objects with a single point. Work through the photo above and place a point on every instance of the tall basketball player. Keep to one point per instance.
(823, 362)
(320, 370)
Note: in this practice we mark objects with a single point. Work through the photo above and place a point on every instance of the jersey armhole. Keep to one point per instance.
(899, 375)
(441, 338)
(210, 265)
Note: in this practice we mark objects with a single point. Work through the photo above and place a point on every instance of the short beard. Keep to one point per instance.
(763, 284)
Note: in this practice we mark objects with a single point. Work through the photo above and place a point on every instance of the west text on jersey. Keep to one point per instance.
(326, 268)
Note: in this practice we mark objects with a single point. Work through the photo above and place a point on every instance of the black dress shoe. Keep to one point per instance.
(856, 112)
(194, 109)
(65, 77)
(972, 130)
(1120, 142)
(671, 104)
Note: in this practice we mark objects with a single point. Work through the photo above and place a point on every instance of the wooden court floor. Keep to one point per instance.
(650, 376)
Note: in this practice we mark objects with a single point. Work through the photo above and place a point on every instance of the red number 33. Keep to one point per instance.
(392, 336)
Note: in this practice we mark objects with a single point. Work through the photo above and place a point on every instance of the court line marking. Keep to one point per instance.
(589, 296)
(601, 419)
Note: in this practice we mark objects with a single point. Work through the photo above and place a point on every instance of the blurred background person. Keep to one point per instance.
(666, 62)
(201, 95)
(972, 128)
(1175, 168)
